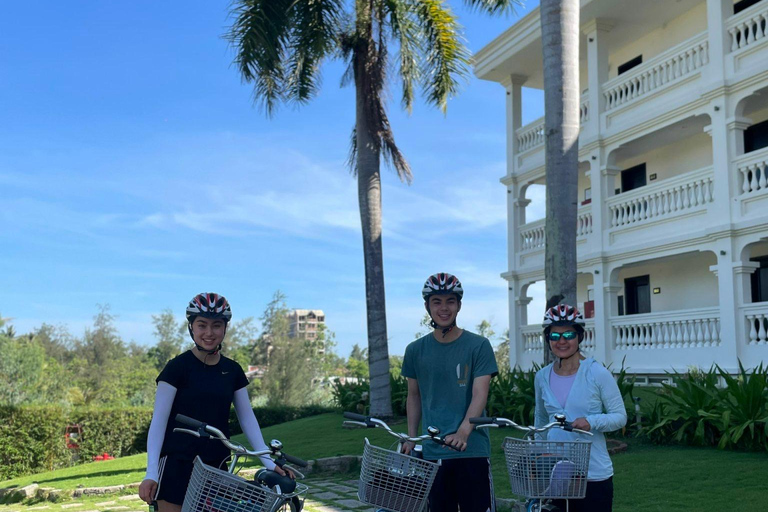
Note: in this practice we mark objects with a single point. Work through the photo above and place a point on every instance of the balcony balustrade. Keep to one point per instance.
(533, 235)
(748, 27)
(696, 328)
(756, 318)
(533, 338)
(752, 168)
(658, 73)
(669, 197)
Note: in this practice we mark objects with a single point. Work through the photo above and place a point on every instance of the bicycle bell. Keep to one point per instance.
(433, 431)
(275, 445)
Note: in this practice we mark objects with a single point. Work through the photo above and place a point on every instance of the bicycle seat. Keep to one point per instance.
(272, 479)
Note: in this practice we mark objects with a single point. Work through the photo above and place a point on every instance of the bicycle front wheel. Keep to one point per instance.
(292, 505)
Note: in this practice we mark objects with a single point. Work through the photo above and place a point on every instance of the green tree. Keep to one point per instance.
(241, 341)
(560, 44)
(485, 329)
(290, 369)
(356, 363)
(502, 352)
(280, 46)
(22, 368)
(170, 337)
(425, 326)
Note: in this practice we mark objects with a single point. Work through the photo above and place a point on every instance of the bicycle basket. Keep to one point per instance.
(215, 490)
(547, 469)
(395, 481)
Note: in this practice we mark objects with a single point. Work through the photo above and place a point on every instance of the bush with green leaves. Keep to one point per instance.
(512, 395)
(695, 409)
(274, 415)
(353, 396)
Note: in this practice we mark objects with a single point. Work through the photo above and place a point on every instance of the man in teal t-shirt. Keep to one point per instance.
(449, 371)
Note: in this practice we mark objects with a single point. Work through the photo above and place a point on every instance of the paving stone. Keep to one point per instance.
(104, 503)
(130, 497)
(342, 488)
(72, 505)
(351, 503)
(90, 511)
(118, 508)
(353, 483)
(327, 508)
(42, 507)
(326, 496)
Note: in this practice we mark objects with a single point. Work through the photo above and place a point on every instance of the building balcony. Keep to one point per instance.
(752, 171)
(680, 201)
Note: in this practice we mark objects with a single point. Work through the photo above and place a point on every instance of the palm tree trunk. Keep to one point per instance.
(369, 196)
(560, 43)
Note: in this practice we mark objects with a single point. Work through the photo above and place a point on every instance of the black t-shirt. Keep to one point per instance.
(204, 393)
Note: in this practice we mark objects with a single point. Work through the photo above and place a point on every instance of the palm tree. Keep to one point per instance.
(560, 43)
(280, 45)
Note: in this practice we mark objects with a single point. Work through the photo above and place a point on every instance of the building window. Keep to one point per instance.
(760, 280)
(756, 137)
(623, 68)
(633, 178)
(321, 319)
(637, 291)
(744, 4)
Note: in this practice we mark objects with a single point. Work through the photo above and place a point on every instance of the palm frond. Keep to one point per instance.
(315, 35)
(406, 31)
(446, 58)
(494, 6)
(259, 35)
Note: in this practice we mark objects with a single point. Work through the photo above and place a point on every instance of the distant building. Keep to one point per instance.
(673, 196)
(305, 324)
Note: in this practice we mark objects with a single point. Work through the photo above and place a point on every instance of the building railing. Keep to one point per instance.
(670, 66)
(693, 328)
(674, 195)
(584, 109)
(531, 135)
(533, 235)
(533, 337)
(756, 318)
(753, 169)
(748, 27)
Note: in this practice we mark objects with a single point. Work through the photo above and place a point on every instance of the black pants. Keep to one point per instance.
(464, 483)
(599, 498)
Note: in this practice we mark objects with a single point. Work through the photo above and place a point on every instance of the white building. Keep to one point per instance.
(673, 188)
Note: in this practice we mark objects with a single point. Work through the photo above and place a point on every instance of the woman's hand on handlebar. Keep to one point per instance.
(408, 447)
(581, 424)
(147, 490)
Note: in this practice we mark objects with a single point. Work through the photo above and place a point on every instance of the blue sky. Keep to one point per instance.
(135, 172)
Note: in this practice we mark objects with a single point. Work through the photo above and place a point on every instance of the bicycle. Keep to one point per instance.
(541, 470)
(394, 481)
(215, 490)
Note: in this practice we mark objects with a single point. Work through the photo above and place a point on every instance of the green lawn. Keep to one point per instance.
(648, 477)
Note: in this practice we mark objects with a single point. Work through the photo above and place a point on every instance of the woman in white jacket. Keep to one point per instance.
(586, 392)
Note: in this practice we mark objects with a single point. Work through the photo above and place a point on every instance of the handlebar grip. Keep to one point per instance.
(482, 420)
(295, 460)
(355, 417)
(190, 422)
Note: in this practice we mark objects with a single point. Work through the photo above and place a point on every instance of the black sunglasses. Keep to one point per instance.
(570, 335)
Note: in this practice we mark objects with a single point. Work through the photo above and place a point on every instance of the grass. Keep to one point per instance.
(648, 478)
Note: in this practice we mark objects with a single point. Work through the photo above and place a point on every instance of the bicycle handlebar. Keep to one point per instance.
(205, 430)
(359, 420)
(560, 422)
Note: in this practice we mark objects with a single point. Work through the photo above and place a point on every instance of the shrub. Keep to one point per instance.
(512, 395)
(695, 410)
(31, 440)
(274, 415)
(353, 396)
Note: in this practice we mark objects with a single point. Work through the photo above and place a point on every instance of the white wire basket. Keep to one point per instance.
(547, 469)
(214, 490)
(395, 481)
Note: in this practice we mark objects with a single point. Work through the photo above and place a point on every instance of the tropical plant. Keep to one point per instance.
(280, 45)
(742, 415)
(512, 395)
(560, 44)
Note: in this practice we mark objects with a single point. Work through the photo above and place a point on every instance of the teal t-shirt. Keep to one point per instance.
(446, 373)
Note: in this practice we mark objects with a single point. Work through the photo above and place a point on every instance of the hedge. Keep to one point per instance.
(32, 437)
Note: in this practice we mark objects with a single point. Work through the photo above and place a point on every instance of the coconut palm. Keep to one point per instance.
(280, 45)
(560, 43)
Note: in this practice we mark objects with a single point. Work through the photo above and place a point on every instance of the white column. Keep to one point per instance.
(606, 188)
(609, 308)
(728, 354)
(718, 11)
(514, 106)
(596, 31)
(517, 314)
(602, 312)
